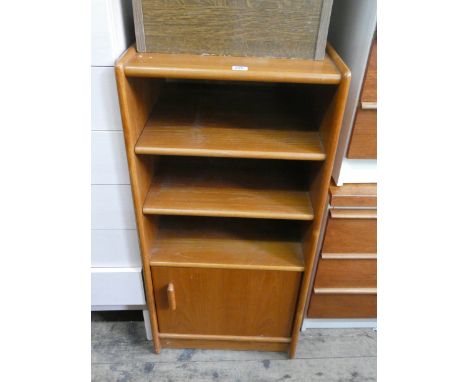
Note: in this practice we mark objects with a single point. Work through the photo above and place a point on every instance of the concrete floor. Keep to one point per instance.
(120, 352)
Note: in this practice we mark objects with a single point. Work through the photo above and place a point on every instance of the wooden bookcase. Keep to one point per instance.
(230, 171)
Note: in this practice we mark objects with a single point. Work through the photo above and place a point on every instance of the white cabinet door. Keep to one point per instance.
(115, 248)
(112, 207)
(117, 286)
(105, 113)
(108, 158)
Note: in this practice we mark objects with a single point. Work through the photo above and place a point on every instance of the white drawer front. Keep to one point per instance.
(115, 248)
(117, 286)
(105, 114)
(108, 158)
(111, 30)
(112, 207)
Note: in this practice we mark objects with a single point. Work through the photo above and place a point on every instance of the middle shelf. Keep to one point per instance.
(225, 187)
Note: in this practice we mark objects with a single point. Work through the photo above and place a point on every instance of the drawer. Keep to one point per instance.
(226, 302)
(356, 195)
(351, 231)
(363, 143)
(117, 286)
(346, 273)
(115, 248)
(112, 207)
(105, 112)
(343, 305)
(108, 158)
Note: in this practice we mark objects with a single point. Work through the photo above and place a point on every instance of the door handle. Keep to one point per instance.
(171, 296)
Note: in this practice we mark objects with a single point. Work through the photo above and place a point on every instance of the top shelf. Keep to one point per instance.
(230, 68)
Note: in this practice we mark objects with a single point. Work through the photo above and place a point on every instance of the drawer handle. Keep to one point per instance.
(171, 296)
(369, 105)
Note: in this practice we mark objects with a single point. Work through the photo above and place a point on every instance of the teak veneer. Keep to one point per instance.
(235, 121)
(230, 171)
(228, 188)
(232, 243)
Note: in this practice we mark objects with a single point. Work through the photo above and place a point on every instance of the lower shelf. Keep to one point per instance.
(227, 243)
(224, 187)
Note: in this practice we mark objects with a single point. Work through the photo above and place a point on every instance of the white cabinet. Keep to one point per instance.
(115, 248)
(112, 30)
(116, 279)
(105, 113)
(108, 158)
(112, 207)
(117, 286)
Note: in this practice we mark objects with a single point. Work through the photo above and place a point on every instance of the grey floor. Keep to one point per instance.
(120, 352)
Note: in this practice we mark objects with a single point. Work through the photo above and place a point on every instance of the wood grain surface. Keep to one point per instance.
(184, 343)
(255, 188)
(350, 236)
(353, 213)
(333, 103)
(369, 87)
(227, 243)
(137, 97)
(343, 306)
(230, 188)
(271, 28)
(354, 195)
(227, 302)
(225, 120)
(345, 273)
(221, 68)
(363, 143)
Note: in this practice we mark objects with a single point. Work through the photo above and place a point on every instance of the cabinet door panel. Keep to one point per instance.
(230, 302)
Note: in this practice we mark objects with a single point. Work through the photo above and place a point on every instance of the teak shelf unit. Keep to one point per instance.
(230, 171)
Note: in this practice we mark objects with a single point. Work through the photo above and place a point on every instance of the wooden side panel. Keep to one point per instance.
(137, 97)
(272, 28)
(343, 273)
(363, 144)
(321, 177)
(228, 302)
(350, 236)
(343, 306)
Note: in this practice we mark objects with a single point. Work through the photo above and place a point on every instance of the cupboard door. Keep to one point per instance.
(231, 302)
